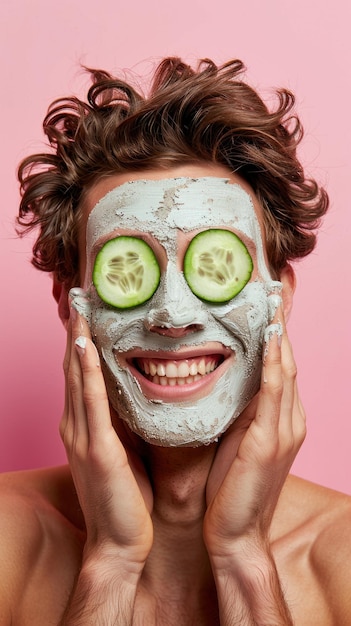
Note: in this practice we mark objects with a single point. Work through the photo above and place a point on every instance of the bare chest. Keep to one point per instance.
(52, 577)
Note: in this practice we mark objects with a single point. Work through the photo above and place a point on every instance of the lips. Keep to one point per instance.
(166, 372)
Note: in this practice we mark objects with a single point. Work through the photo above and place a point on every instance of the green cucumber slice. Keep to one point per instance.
(126, 272)
(217, 265)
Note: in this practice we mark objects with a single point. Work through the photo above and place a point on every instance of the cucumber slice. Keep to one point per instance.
(126, 272)
(217, 265)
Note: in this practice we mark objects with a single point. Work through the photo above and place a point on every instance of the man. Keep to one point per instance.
(169, 223)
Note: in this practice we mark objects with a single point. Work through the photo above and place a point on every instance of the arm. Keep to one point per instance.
(248, 474)
(113, 493)
(248, 588)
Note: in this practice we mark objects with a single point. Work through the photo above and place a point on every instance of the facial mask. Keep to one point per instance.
(227, 337)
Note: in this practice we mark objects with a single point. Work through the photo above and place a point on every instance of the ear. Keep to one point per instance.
(288, 279)
(60, 294)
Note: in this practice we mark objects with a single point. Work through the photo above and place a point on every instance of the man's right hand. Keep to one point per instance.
(113, 490)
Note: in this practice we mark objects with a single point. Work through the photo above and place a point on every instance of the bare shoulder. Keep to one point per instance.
(38, 523)
(32, 495)
(315, 522)
(307, 505)
(331, 549)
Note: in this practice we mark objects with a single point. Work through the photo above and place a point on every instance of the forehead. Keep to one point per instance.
(174, 203)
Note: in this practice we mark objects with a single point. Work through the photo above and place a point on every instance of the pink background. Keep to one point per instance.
(304, 46)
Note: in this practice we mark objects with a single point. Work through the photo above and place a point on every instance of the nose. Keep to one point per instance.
(175, 311)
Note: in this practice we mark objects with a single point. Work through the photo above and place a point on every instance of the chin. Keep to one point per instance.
(191, 423)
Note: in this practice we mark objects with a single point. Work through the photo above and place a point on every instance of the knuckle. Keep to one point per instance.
(73, 380)
(291, 371)
(274, 386)
(65, 365)
(93, 397)
(87, 366)
(80, 451)
(66, 436)
(62, 426)
(289, 444)
(289, 366)
(95, 458)
(301, 432)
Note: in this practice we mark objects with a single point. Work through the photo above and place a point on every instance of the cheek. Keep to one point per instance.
(108, 326)
(247, 316)
(101, 323)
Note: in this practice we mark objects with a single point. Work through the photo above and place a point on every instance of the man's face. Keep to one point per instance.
(178, 369)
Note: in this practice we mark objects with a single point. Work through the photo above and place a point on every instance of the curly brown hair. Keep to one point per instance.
(208, 114)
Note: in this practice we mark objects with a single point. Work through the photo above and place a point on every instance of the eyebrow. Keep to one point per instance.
(249, 243)
(123, 232)
(153, 241)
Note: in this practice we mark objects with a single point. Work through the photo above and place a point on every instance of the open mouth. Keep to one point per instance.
(174, 373)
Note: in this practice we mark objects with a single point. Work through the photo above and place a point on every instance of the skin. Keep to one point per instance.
(218, 534)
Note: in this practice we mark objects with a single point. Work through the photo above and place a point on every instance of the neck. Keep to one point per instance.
(179, 477)
(178, 572)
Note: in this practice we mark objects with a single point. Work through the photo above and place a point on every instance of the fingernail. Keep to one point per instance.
(274, 302)
(76, 292)
(273, 330)
(274, 287)
(81, 344)
(79, 300)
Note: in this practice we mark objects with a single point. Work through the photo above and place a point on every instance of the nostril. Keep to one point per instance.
(170, 318)
(176, 317)
(175, 332)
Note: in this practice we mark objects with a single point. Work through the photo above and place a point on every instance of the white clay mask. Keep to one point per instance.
(179, 370)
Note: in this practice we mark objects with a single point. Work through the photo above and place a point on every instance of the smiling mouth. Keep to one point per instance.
(172, 373)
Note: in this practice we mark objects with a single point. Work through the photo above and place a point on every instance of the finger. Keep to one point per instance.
(299, 420)
(78, 416)
(96, 403)
(293, 418)
(289, 373)
(279, 389)
(66, 363)
(104, 442)
(80, 325)
(269, 402)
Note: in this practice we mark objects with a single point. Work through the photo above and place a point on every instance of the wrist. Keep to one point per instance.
(105, 591)
(236, 554)
(247, 571)
(111, 564)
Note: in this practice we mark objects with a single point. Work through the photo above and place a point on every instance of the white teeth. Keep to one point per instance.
(171, 370)
(193, 369)
(183, 370)
(161, 370)
(153, 368)
(201, 368)
(177, 373)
